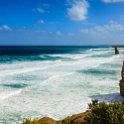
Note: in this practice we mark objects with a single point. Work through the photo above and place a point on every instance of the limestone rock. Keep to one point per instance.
(122, 71)
(74, 119)
(116, 51)
(122, 81)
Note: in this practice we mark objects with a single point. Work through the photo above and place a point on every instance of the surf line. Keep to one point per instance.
(11, 94)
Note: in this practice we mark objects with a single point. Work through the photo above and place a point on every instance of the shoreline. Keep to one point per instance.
(97, 113)
(74, 119)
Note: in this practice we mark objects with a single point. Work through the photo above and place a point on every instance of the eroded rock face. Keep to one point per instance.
(116, 51)
(74, 119)
(122, 81)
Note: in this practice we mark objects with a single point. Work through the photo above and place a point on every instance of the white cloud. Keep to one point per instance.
(5, 27)
(40, 10)
(112, 1)
(78, 10)
(41, 21)
(59, 33)
(111, 27)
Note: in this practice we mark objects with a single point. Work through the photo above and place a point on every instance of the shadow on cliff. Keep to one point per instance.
(112, 97)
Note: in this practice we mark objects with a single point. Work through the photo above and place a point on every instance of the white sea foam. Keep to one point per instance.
(59, 88)
(8, 95)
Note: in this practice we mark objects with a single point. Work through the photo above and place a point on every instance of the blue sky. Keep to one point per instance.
(61, 22)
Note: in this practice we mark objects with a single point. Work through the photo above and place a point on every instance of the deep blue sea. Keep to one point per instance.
(56, 81)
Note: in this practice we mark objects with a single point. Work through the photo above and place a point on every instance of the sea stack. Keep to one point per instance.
(116, 51)
(122, 81)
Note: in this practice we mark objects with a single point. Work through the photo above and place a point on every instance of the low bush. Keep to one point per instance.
(103, 113)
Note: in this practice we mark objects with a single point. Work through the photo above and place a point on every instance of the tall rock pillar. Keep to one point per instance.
(122, 81)
(116, 51)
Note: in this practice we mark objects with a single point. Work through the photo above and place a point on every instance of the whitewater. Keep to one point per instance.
(58, 84)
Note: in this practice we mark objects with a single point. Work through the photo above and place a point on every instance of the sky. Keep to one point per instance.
(61, 22)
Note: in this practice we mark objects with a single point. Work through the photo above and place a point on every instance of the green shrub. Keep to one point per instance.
(103, 113)
(29, 121)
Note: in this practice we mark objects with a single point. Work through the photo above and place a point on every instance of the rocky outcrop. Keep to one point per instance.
(45, 120)
(116, 51)
(122, 81)
(74, 119)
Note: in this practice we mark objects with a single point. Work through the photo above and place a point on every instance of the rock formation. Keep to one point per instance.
(74, 119)
(116, 51)
(122, 81)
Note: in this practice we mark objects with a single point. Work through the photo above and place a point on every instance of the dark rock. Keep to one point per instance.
(122, 81)
(122, 71)
(116, 51)
(76, 119)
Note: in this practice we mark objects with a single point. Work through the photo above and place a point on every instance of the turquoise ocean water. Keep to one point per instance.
(57, 81)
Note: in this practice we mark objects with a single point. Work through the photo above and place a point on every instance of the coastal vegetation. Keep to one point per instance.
(98, 113)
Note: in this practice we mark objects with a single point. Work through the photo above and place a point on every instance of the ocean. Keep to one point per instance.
(56, 81)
